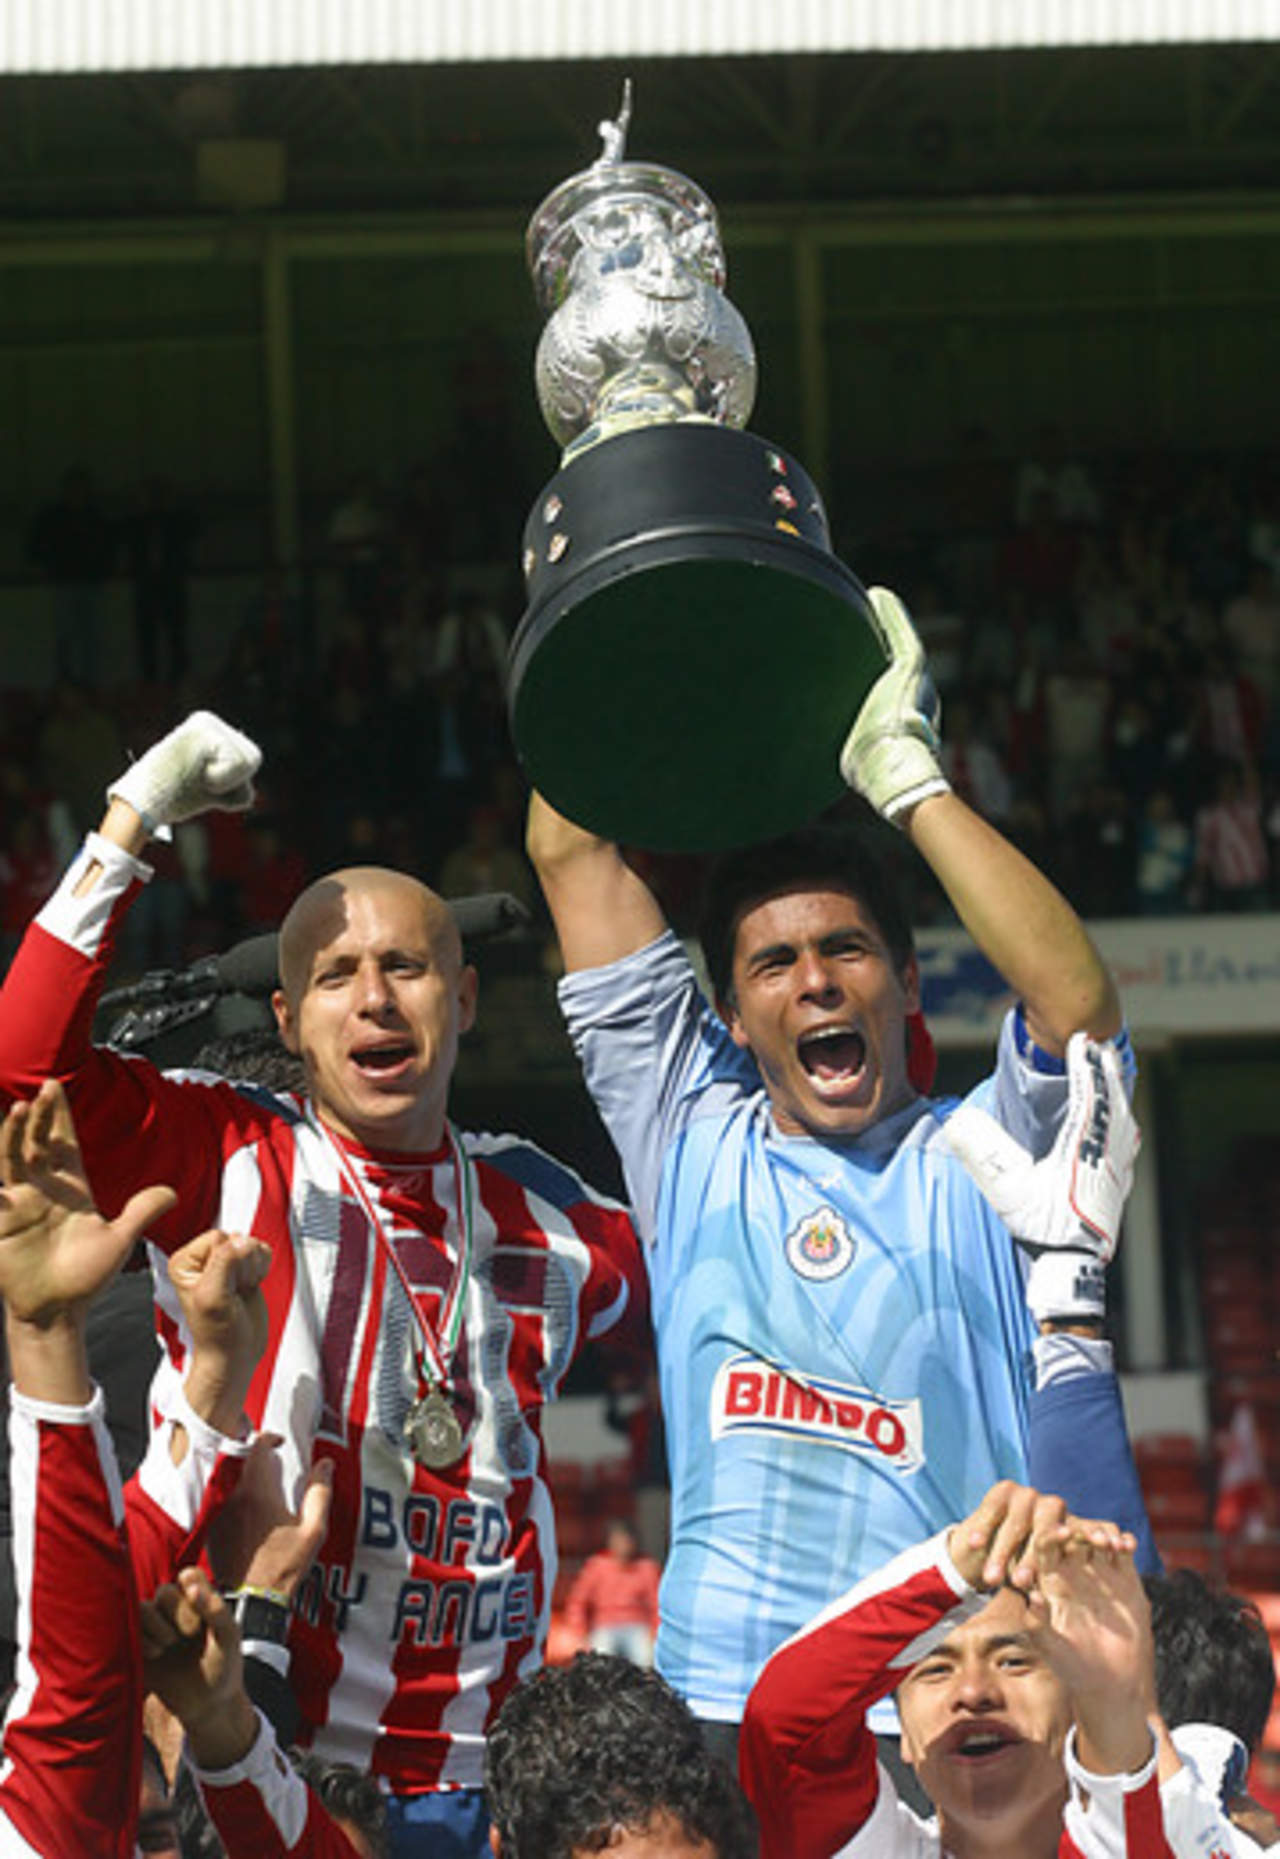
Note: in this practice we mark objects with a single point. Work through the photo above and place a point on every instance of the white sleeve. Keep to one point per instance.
(1115, 1816)
(179, 1490)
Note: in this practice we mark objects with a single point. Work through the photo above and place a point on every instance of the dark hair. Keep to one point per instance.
(581, 1751)
(253, 1055)
(1213, 1656)
(348, 1794)
(816, 855)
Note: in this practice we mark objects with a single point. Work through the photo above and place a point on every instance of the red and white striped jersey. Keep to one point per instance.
(72, 1747)
(807, 1756)
(431, 1594)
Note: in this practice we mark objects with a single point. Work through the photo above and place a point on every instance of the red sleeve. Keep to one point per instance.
(73, 1734)
(160, 1543)
(262, 1807)
(135, 1126)
(806, 1756)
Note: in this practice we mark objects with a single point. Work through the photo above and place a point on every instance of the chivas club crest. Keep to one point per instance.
(821, 1246)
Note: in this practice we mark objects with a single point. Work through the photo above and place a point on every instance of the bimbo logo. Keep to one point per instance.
(754, 1397)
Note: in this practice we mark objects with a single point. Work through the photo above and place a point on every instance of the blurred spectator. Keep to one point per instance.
(29, 869)
(470, 683)
(358, 539)
(1240, 1511)
(273, 873)
(485, 861)
(1264, 527)
(1228, 711)
(971, 762)
(1076, 700)
(71, 542)
(1251, 623)
(974, 494)
(1208, 539)
(1040, 563)
(422, 535)
(1166, 854)
(78, 749)
(1107, 606)
(1135, 751)
(1098, 837)
(944, 632)
(158, 539)
(1064, 485)
(613, 1603)
(1231, 853)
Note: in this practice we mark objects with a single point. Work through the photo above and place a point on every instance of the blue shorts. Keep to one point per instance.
(453, 1824)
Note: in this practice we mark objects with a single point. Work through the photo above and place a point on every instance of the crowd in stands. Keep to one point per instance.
(1105, 637)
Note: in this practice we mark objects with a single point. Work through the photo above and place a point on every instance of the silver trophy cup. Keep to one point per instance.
(693, 653)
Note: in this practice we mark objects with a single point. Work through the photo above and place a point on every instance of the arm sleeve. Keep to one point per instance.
(1196, 1826)
(72, 1737)
(1078, 1443)
(1118, 1816)
(261, 1806)
(168, 1507)
(807, 1756)
(653, 1053)
(135, 1126)
(1027, 1095)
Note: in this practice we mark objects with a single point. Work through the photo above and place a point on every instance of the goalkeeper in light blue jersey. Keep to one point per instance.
(844, 1324)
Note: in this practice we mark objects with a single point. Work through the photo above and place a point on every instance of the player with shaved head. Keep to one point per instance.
(430, 1290)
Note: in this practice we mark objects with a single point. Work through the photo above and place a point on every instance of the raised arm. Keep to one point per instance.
(600, 908)
(72, 1736)
(1022, 924)
(56, 1252)
(256, 1800)
(198, 1451)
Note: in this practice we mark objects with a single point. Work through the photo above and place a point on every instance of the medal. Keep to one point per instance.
(434, 1432)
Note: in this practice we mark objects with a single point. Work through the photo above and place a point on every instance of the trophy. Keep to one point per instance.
(693, 654)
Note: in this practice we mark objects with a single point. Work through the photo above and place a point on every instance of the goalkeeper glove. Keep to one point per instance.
(891, 754)
(1066, 1208)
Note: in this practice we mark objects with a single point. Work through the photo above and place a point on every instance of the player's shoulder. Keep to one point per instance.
(241, 1102)
(914, 1131)
(530, 1167)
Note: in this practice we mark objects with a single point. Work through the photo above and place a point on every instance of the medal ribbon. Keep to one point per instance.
(439, 1349)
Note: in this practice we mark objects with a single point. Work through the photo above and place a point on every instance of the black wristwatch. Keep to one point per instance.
(260, 1614)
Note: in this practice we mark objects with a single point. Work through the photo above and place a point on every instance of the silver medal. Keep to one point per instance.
(434, 1432)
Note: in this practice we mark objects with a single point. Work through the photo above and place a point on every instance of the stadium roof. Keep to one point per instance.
(186, 35)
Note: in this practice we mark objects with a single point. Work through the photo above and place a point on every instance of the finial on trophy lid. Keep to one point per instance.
(613, 133)
(693, 653)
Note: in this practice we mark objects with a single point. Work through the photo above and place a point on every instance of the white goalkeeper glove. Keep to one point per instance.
(1066, 1208)
(891, 754)
(203, 763)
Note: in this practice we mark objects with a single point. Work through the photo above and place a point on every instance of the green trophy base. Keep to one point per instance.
(693, 654)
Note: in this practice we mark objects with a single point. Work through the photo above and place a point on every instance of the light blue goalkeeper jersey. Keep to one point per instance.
(842, 1333)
